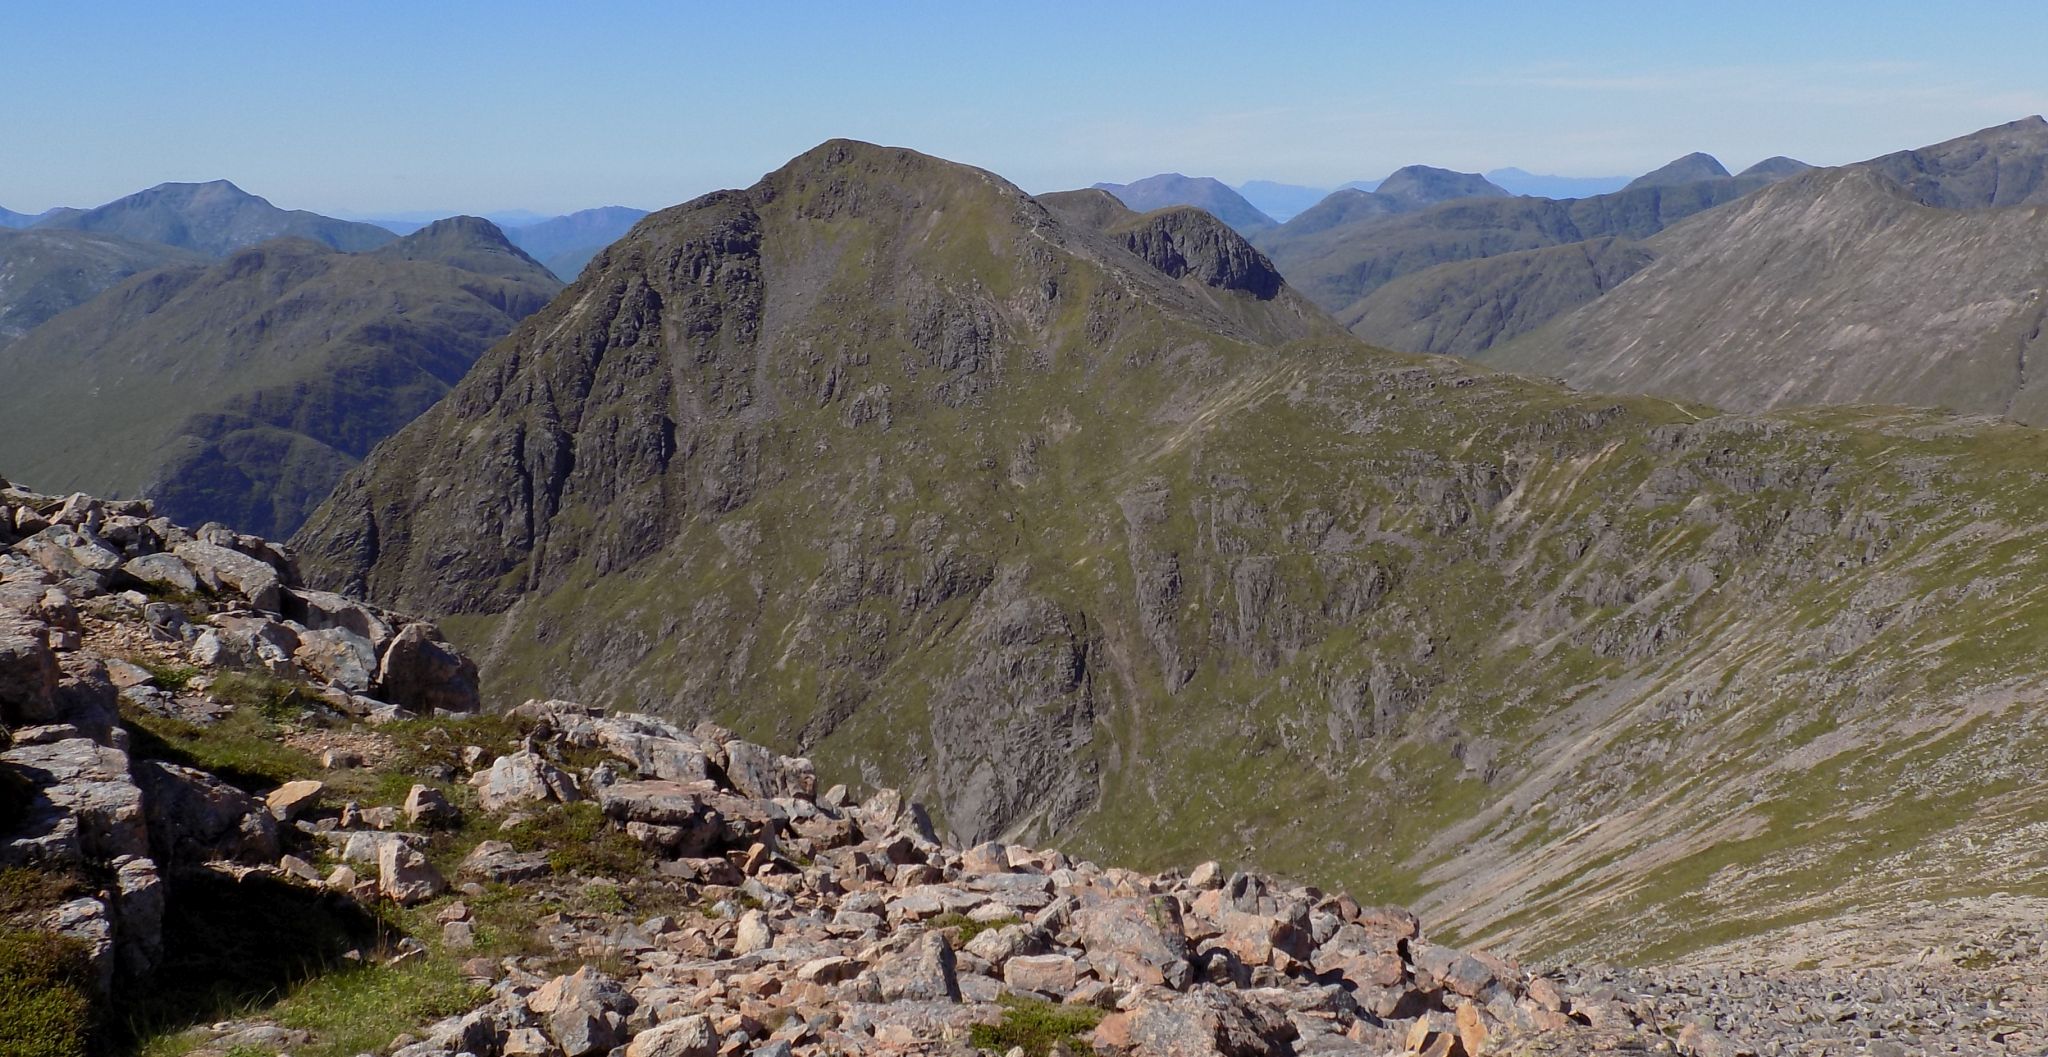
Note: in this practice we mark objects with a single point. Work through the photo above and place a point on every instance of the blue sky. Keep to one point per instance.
(366, 106)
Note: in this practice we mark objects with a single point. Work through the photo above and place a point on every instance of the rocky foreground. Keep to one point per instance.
(618, 884)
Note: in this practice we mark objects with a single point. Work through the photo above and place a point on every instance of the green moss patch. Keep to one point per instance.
(1037, 1026)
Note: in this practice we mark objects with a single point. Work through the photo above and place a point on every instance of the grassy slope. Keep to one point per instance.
(241, 391)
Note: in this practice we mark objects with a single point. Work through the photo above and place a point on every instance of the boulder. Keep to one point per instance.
(292, 799)
(1209, 1022)
(584, 1012)
(28, 674)
(220, 568)
(753, 934)
(923, 972)
(1049, 974)
(499, 862)
(691, 1036)
(524, 777)
(829, 970)
(163, 570)
(404, 876)
(998, 946)
(338, 657)
(1143, 941)
(422, 674)
(427, 808)
(326, 611)
(761, 774)
(86, 808)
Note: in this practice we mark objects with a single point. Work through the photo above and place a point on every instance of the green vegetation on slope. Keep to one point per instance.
(241, 391)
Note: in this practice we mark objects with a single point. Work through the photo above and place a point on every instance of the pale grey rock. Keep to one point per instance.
(163, 570)
(405, 876)
(220, 568)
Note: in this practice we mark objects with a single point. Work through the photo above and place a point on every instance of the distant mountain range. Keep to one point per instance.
(1523, 182)
(1205, 193)
(245, 385)
(566, 243)
(215, 219)
(1279, 201)
(1343, 251)
(1920, 277)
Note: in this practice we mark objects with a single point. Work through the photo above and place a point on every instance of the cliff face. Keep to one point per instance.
(885, 462)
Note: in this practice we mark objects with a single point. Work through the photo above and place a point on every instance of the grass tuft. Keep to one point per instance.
(244, 749)
(970, 928)
(175, 678)
(276, 699)
(578, 840)
(1035, 1025)
(45, 987)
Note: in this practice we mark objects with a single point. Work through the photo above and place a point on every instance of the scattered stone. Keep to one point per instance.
(427, 808)
(292, 799)
(404, 876)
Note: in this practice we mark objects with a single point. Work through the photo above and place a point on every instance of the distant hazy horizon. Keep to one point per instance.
(382, 109)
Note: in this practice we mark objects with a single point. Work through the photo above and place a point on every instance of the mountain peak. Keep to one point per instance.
(1692, 168)
(1419, 185)
(472, 244)
(1779, 166)
(215, 218)
(1202, 192)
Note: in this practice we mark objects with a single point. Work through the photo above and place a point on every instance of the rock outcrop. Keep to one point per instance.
(90, 592)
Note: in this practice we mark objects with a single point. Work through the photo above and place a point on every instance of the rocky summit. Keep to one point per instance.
(254, 818)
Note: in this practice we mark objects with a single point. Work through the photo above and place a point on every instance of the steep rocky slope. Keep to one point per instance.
(44, 273)
(212, 841)
(882, 461)
(1833, 288)
(1202, 192)
(1467, 307)
(213, 218)
(2004, 165)
(240, 391)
